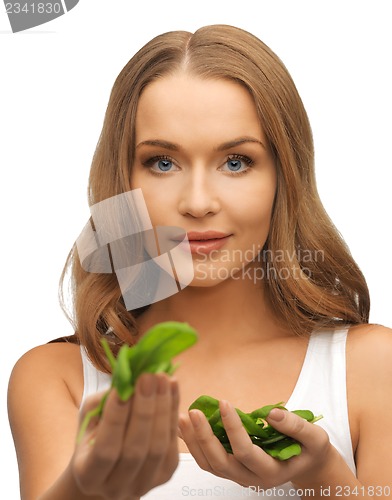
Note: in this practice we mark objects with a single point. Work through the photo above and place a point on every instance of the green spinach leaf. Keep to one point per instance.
(153, 353)
(262, 434)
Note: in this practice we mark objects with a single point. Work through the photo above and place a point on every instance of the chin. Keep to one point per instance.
(207, 275)
(205, 282)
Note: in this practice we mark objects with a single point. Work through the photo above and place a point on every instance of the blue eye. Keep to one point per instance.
(164, 165)
(237, 164)
(160, 165)
(234, 165)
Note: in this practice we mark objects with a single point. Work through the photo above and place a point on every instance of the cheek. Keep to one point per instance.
(253, 208)
(163, 209)
(156, 200)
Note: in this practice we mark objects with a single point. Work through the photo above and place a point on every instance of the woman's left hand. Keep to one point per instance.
(249, 465)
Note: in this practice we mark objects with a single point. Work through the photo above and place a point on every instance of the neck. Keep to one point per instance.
(234, 308)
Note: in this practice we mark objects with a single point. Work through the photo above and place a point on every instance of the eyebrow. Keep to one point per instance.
(171, 146)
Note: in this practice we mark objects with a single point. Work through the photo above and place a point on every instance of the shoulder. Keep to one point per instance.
(369, 388)
(49, 365)
(370, 342)
(369, 351)
(52, 356)
(369, 367)
(44, 394)
(369, 374)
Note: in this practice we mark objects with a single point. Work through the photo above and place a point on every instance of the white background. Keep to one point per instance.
(54, 87)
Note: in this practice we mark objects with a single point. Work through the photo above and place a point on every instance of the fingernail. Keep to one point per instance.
(194, 415)
(224, 407)
(148, 385)
(163, 385)
(174, 388)
(276, 415)
(181, 422)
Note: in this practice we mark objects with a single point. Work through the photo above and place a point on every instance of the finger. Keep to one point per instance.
(240, 441)
(113, 422)
(188, 436)
(171, 459)
(136, 436)
(89, 411)
(309, 435)
(251, 456)
(219, 461)
(138, 433)
(162, 427)
(90, 403)
(162, 458)
(175, 405)
(97, 460)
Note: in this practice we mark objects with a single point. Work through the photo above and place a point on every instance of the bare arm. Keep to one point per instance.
(133, 449)
(43, 416)
(320, 467)
(369, 354)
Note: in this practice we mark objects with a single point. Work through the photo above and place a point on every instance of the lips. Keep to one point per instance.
(206, 235)
(207, 241)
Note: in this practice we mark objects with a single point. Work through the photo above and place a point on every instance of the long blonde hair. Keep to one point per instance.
(321, 292)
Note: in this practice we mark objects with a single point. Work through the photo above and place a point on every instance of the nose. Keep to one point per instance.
(199, 194)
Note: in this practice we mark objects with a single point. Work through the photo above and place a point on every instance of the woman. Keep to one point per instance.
(210, 127)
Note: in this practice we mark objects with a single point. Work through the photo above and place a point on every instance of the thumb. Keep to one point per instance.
(294, 426)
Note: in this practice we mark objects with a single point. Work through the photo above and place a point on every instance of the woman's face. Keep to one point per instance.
(202, 162)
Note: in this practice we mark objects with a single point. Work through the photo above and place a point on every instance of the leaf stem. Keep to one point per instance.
(95, 412)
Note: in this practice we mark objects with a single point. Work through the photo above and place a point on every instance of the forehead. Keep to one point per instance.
(182, 104)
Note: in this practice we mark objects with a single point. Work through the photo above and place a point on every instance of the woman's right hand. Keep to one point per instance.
(133, 447)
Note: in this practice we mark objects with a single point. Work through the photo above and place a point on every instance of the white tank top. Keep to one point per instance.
(321, 387)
